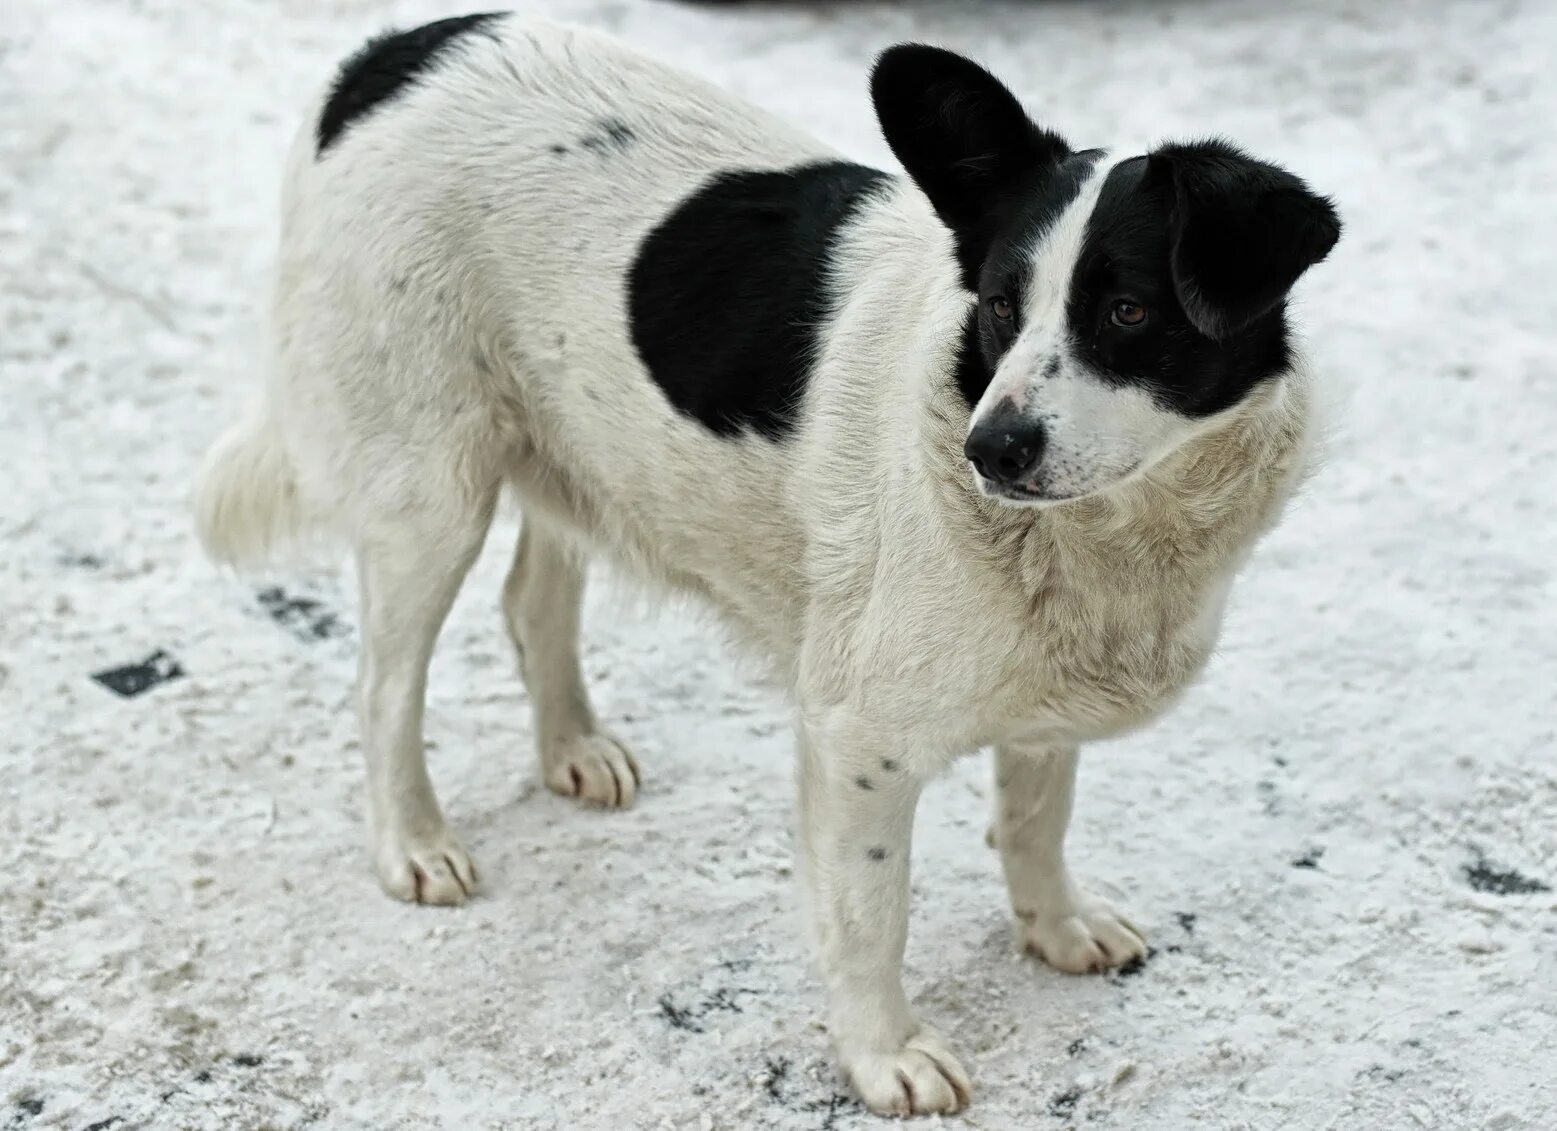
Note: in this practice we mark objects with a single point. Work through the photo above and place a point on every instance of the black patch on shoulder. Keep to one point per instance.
(384, 66)
(728, 295)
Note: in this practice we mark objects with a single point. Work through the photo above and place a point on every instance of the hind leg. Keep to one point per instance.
(410, 565)
(542, 600)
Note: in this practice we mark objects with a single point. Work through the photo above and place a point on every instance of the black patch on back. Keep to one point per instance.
(384, 66)
(728, 295)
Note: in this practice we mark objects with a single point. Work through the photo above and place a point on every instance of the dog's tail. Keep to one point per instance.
(247, 502)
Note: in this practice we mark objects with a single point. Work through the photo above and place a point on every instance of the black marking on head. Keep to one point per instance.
(877, 853)
(888, 765)
(864, 782)
(1005, 267)
(728, 296)
(612, 137)
(964, 139)
(1131, 251)
(387, 65)
(559, 149)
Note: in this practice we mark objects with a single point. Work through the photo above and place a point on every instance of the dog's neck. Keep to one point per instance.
(1204, 503)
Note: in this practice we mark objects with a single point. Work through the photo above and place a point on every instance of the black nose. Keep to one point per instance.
(1005, 447)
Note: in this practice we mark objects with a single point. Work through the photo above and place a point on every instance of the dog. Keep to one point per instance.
(969, 456)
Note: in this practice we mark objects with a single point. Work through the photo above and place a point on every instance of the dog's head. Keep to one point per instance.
(1121, 302)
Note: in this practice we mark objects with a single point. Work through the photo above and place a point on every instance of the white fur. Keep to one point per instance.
(449, 319)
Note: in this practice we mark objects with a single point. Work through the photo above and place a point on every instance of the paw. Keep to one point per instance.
(1084, 937)
(594, 768)
(425, 867)
(921, 1078)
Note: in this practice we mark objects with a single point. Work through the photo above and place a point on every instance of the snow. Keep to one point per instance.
(190, 935)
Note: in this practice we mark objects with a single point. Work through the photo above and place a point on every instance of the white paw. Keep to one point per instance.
(1086, 936)
(424, 868)
(921, 1078)
(594, 768)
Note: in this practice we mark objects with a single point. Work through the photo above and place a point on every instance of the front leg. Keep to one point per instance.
(1056, 920)
(857, 800)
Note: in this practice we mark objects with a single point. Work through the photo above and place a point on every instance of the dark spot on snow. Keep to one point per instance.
(877, 853)
(773, 1082)
(81, 561)
(1268, 799)
(203, 1076)
(133, 679)
(614, 136)
(679, 1018)
(888, 765)
(1173, 948)
(559, 149)
(1063, 1105)
(831, 1108)
(689, 1018)
(1137, 964)
(736, 965)
(103, 1124)
(1187, 921)
(1484, 877)
(31, 1108)
(1280, 761)
(1075, 1047)
(864, 782)
(1379, 1072)
(304, 617)
(248, 1060)
(1309, 859)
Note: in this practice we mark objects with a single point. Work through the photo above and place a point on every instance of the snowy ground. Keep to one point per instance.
(1343, 843)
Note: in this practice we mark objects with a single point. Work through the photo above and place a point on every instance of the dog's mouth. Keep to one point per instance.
(1022, 494)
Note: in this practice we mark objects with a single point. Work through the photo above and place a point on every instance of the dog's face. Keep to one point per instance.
(1122, 302)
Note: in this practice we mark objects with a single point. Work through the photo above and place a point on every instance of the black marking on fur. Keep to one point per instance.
(888, 765)
(1063, 1105)
(1484, 877)
(876, 853)
(559, 149)
(304, 617)
(864, 782)
(614, 137)
(385, 67)
(728, 296)
(1187, 921)
(134, 679)
(1309, 859)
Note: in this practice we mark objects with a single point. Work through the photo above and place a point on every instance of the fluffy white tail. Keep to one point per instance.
(246, 498)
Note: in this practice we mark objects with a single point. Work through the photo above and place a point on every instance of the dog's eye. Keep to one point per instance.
(1127, 314)
(1001, 308)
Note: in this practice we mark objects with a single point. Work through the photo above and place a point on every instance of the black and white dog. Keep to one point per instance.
(970, 456)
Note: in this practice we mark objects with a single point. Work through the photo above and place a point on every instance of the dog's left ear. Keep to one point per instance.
(1243, 232)
(962, 136)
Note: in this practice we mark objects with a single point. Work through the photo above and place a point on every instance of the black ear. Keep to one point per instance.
(1242, 232)
(962, 136)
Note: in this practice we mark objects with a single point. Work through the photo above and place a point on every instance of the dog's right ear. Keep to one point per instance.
(963, 138)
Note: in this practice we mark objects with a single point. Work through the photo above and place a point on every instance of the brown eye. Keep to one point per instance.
(1128, 314)
(1001, 308)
